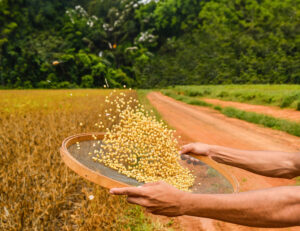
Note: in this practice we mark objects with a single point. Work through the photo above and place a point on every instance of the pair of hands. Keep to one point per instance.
(159, 197)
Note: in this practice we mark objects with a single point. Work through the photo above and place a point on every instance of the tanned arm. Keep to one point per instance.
(266, 163)
(275, 207)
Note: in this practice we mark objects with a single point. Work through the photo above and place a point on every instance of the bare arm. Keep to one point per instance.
(276, 207)
(267, 163)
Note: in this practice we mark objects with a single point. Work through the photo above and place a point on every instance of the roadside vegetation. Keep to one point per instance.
(284, 96)
(292, 128)
(38, 191)
(142, 97)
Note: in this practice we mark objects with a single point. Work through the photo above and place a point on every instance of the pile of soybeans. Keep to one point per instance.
(139, 146)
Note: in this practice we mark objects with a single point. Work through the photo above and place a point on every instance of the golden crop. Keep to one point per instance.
(141, 147)
(37, 190)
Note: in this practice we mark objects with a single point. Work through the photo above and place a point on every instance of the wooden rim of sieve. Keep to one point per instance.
(107, 182)
(83, 170)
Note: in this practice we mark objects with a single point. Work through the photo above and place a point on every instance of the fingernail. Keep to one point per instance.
(111, 191)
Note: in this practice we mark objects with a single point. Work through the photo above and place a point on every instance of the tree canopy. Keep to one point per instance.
(91, 43)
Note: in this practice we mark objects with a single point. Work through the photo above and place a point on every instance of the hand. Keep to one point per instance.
(158, 198)
(195, 148)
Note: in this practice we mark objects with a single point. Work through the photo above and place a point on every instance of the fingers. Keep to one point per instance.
(186, 148)
(184, 156)
(129, 191)
(190, 159)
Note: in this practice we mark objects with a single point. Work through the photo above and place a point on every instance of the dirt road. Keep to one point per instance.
(288, 114)
(195, 123)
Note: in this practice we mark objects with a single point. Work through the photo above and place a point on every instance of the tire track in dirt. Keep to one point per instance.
(287, 114)
(205, 125)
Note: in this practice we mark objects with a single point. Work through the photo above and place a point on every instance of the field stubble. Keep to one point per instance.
(37, 190)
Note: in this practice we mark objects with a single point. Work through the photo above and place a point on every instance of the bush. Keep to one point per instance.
(65, 84)
(27, 84)
(43, 84)
(87, 81)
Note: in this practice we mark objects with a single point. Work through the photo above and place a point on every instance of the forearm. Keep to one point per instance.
(277, 207)
(267, 163)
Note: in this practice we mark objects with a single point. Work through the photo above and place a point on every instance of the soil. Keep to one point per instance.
(194, 123)
(288, 114)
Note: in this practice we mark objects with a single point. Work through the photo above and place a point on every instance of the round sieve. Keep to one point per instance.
(210, 177)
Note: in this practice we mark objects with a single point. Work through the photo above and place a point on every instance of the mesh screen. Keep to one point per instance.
(208, 180)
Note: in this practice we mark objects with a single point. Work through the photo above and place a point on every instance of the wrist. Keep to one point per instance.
(212, 151)
(188, 203)
(184, 202)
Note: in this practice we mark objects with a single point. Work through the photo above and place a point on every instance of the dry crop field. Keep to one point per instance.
(37, 190)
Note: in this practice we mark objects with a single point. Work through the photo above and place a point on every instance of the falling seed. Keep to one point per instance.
(54, 63)
(141, 147)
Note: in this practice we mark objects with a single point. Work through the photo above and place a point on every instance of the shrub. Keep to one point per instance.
(87, 81)
(65, 84)
(43, 84)
(27, 84)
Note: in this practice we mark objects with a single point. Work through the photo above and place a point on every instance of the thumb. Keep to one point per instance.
(186, 148)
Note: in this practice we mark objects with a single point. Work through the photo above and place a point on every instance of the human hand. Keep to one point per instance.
(195, 148)
(158, 198)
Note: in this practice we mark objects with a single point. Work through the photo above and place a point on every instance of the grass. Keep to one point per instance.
(292, 128)
(186, 99)
(38, 191)
(142, 97)
(284, 96)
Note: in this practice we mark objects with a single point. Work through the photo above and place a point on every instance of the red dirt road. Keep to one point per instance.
(205, 125)
(288, 114)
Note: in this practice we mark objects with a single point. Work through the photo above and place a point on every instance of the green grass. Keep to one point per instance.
(142, 97)
(144, 223)
(186, 99)
(292, 128)
(275, 95)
